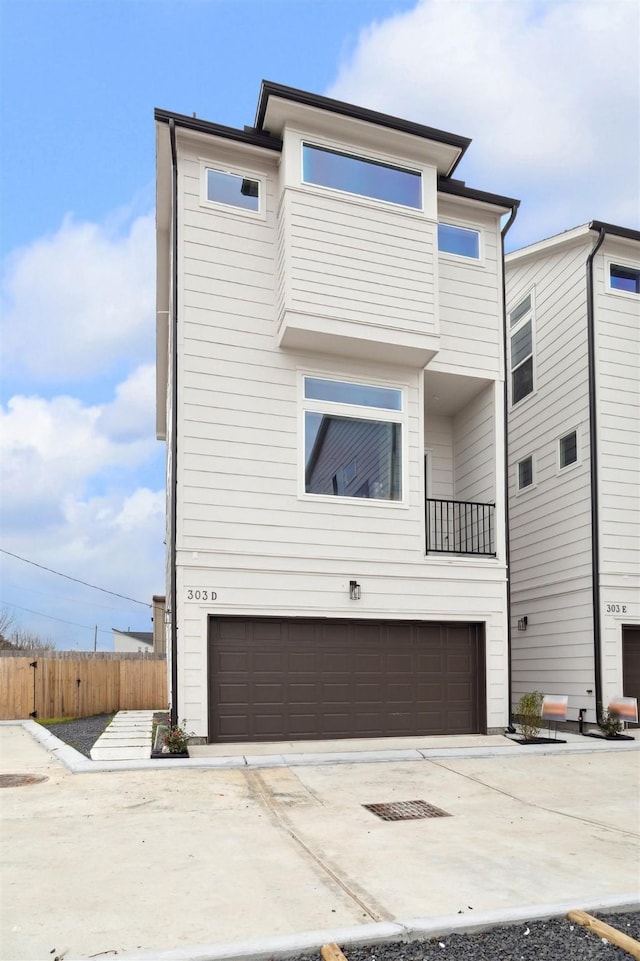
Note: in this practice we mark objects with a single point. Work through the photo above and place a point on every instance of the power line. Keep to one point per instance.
(76, 579)
(52, 618)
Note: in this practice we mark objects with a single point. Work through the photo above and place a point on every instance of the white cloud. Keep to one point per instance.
(80, 300)
(549, 93)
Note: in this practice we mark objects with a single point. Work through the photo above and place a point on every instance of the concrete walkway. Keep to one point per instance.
(127, 738)
(177, 863)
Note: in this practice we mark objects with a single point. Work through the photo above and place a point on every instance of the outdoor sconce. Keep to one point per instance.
(354, 591)
(522, 623)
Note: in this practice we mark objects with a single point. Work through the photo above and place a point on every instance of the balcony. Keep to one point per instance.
(460, 527)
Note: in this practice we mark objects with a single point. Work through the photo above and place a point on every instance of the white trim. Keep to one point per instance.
(478, 261)
(625, 264)
(378, 158)
(533, 484)
(230, 209)
(578, 461)
(353, 412)
(530, 315)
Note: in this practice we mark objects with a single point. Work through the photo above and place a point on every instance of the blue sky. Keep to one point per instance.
(83, 489)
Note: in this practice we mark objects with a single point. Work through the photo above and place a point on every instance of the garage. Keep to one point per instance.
(631, 662)
(273, 679)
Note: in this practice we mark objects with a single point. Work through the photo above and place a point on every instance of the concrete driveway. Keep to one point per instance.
(141, 861)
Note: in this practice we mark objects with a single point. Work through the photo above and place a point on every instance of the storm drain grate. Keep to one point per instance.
(18, 780)
(406, 810)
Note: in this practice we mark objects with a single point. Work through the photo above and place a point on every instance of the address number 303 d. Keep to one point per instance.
(201, 595)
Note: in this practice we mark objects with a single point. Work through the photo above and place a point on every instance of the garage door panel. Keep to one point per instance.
(631, 662)
(280, 679)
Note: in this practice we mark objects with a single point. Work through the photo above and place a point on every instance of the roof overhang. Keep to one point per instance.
(577, 235)
(279, 106)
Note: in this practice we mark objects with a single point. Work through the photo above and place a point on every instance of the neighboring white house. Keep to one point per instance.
(331, 378)
(132, 642)
(573, 308)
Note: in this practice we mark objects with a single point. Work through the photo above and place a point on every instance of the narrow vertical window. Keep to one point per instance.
(521, 349)
(568, 450)
(525, 473)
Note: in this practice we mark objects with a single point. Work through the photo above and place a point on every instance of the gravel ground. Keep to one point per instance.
(555, 940)
(81, 733)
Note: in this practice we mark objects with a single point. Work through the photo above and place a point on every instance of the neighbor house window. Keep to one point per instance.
(521, 349)
(624, 278)
(353, 437)
(358, 175)
(459, 240)
(232, 190)
(525, 473)
(568, 449)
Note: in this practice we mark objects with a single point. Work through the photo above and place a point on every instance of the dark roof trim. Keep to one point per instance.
(255, 137)
(458, 188)
(626, 232)
(270, 89)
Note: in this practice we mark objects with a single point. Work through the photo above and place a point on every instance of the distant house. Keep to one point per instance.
(573, 323)
(131, 642)
(331, 377)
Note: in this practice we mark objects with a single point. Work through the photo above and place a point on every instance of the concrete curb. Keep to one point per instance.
(77, 763)
(414, 929)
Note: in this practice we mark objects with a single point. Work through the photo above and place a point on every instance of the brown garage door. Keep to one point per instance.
(290, 679)
(631, 662)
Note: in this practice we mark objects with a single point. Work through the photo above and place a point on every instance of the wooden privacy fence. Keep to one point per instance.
(75, 684)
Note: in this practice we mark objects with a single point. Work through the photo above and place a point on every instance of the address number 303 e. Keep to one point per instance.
(201, 595)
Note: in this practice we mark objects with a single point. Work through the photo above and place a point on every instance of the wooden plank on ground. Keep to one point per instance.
(331, 952)
(621, 940)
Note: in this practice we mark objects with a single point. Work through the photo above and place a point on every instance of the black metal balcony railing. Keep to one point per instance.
(460, 527)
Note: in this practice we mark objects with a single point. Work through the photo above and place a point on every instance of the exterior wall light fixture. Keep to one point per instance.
(354, 591)
(522, 623)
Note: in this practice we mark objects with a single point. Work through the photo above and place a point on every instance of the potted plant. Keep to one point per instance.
(171, 740)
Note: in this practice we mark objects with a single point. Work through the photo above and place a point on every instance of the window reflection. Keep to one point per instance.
(345, 392)
(352, 458)
(458, 240)
(233, 190)
(368, 178)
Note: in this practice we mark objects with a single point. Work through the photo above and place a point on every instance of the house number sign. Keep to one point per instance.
(194, 594)
(616, 608)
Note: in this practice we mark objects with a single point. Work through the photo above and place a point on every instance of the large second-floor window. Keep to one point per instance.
(521, 349)
(352, 439)
(359, 175)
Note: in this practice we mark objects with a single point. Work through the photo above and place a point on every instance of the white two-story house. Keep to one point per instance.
(331, 388)
(573, 316)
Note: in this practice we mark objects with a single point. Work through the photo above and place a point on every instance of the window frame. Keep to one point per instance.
(622, 264)
(523, 489)
(560, 469)
(461, 258)
(231, 209)
(527, 317)
(352, 412)
(382, 161)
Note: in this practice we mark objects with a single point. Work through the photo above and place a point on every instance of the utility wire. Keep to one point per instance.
(76, 579)
(52, 618)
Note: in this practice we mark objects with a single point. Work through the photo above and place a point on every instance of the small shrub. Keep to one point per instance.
(176, 738)
(609, 724)
(529, 714)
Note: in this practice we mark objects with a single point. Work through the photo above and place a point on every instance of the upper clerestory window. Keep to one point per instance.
(459, 240)
(357, 175)
(624, 278)
(232, 190)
